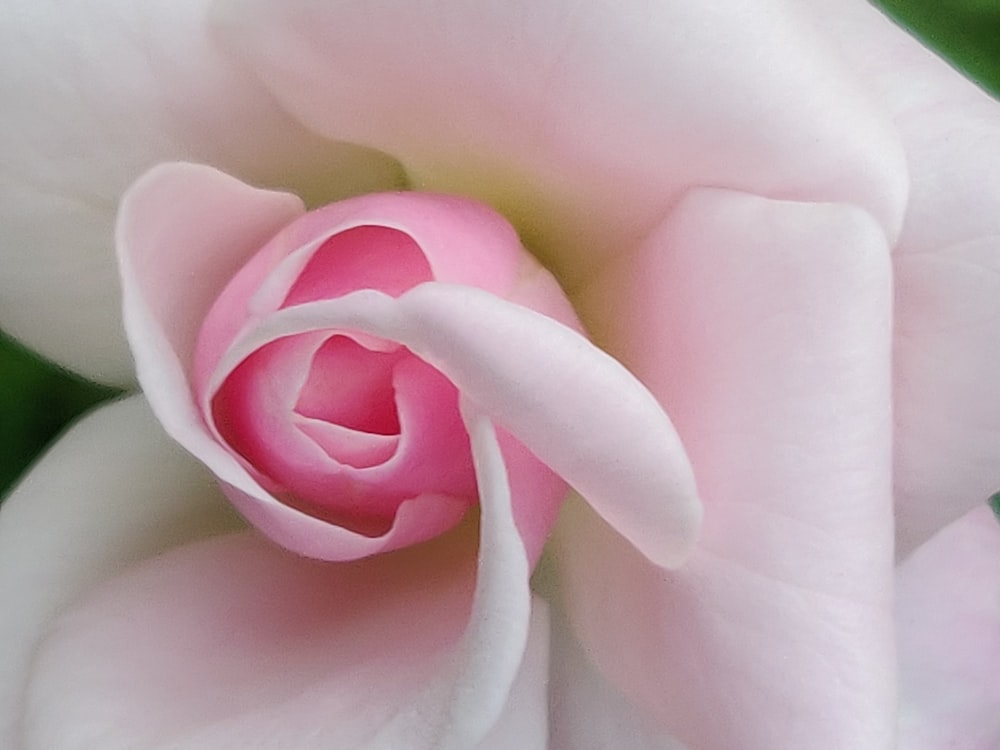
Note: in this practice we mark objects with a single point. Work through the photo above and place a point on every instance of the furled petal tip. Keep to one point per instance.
(315, 363)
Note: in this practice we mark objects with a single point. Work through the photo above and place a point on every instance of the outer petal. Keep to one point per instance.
(947, 270)
(584, 121)
(235, 642)
(67, 527)
(948, 625)
(764, 329)
(93, 96)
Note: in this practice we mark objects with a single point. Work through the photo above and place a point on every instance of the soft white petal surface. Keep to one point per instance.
(582, 121)
(947, 268)
(94, 94)
(587, 712)
(764, 328)
(112, 491)
(234, 643)
(948, 625)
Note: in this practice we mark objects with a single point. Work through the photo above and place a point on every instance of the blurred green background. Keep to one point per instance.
(37, 399)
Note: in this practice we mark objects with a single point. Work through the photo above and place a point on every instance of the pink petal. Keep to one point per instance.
(429, 454)
(587, 711)
(577, 409)
(582, 122)
(68, 527)
(948, 626)
(183, 232)
(347, 246)
(947, 266)
(94, 96)
(764, 328)
(216, 215)
(234, 641)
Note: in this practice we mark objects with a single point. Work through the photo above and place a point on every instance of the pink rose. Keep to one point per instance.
(330, 375)
(782, 219)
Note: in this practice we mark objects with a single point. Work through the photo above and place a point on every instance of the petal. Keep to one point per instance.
(948, 626)
(183, 232)
(185, 216)
(347, 246)
(948, 271)
(947, 404)
(587, 711)
(584, 122)
(234, 641)
(92, 98)
(577, 409)
(112, 491)
(764, 328)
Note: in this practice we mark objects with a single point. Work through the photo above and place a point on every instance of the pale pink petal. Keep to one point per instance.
(93, 96)
(234, 643)
(112, 491)
(577, 409)
(764, 328)
(587, 712)
(582, 122)
(182, 231)
(948, 628)
(947, 269)
(947, 400)
(524, 721)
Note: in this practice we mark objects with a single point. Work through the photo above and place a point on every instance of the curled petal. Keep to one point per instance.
(569, 403)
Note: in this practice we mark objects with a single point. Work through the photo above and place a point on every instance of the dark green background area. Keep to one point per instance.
(966, 31)
(36, 402)
(37, 399)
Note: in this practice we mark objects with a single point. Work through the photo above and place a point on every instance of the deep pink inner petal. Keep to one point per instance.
(351, 386)
(361, 450)
(367, 257)
(343, 432)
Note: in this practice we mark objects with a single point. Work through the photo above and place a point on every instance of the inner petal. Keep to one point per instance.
(351, 386)
(365, 257)
(351, 447)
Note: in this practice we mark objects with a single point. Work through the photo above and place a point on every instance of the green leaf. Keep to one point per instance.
(37, 400)
(967, 32)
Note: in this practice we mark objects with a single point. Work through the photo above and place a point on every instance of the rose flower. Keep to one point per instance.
(583, 377)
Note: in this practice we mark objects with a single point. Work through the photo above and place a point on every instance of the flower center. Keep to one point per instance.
(351, 386)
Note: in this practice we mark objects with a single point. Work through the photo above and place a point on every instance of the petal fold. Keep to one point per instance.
(764, 328)
(947, 269)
